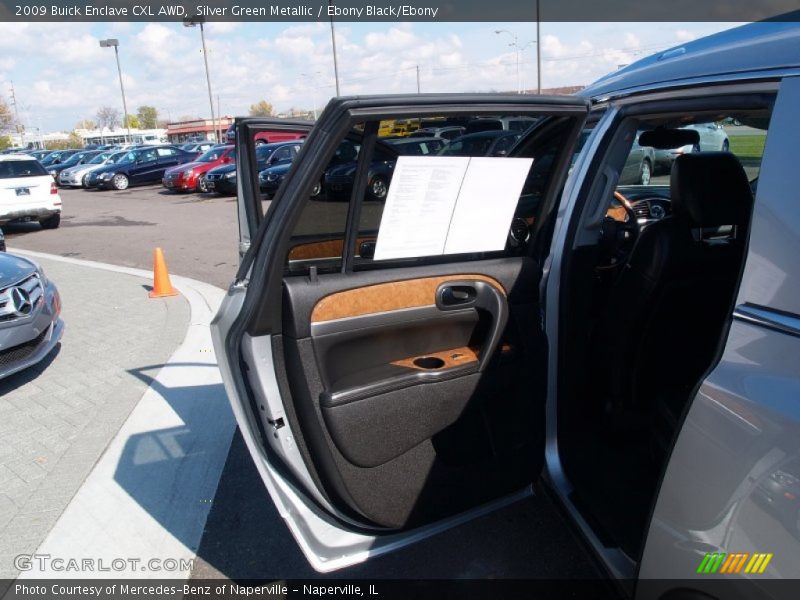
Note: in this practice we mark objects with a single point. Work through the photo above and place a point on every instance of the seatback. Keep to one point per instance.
(676, 291)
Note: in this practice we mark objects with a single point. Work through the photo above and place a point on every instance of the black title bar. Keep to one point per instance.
(402, 10)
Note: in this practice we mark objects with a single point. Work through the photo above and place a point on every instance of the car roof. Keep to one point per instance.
(283, 143)
(488, 134)
(755, 47)
(4, 157)
(411, 140)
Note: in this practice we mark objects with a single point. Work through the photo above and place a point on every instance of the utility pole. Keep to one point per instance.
(418, 79)
(538, 52)
(19, 126)
(219, 116)
(192, 22)
(335, 59)
(114, 43)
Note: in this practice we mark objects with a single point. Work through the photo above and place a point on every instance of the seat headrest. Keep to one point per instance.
(710, 189)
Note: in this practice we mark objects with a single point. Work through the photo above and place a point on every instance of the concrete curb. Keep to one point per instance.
(148, 497)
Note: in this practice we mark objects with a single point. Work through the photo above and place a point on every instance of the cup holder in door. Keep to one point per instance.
(429, 362)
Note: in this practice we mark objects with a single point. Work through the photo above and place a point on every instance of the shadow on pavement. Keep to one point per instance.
(245, 538)
(168, 471)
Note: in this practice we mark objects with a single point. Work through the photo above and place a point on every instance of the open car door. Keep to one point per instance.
(260, 133)
(382, 345)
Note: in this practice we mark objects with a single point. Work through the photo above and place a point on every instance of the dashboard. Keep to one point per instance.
(650, 203)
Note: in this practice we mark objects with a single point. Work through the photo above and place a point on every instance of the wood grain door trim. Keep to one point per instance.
(385, 297)
(455, 357)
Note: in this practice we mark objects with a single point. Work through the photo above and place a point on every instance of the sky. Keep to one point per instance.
(61, 75)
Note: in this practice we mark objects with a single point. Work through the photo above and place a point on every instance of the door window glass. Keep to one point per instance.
(318, 237)
(467, 205)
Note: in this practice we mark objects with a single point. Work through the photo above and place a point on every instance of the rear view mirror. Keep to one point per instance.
(665, 139)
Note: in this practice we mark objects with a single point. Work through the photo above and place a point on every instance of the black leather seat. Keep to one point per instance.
(667, 311)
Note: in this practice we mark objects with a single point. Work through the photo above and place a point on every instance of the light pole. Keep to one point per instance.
(518, 50)
(335, 59)
(114, 43)
(191, 22)
(538, 52)
(313, 79)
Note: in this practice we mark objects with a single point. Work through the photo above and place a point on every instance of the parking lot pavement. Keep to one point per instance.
(198, 232)
(57, 418)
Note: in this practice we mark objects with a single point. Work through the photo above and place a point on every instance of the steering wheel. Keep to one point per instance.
(617, 238)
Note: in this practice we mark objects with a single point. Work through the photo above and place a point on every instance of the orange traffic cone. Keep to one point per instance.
(162, 286)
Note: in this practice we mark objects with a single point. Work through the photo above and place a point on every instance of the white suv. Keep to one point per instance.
(28, 192)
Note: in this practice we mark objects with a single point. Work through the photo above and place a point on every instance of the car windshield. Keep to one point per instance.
(10, 169)
(99, 159)
(468, 146)
(74, 159)
(743, 137)
(212, 155)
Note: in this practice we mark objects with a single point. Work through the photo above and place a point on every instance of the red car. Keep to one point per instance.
(190, 177)
(269, 136)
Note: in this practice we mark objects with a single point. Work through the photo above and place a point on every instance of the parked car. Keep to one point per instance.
(139, 166)
(638, 168)
(514, 123)
(495, 142)
(77, 176)
(79, 158)
(339, 179)
(2, 241)
(281, 133)
(447, 133)
(197, 148)
(222, 179)
(38, 154)
(57, 156)
(30, 309)
(190, 176)
(271, 178)
(28, 192)
(712, 138)
(643, 376)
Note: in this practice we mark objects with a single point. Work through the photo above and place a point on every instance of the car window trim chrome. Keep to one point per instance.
(777, 320)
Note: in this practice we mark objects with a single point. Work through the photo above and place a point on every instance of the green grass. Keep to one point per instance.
(747, 147)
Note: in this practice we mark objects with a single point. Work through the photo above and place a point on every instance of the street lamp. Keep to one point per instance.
(313, 78)
(518, 50)
(114, 43)
(191, 22)
(335, 59)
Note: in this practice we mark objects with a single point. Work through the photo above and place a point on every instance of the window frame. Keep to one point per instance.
(348, 262)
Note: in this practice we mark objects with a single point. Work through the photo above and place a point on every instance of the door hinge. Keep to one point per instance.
(243, 248)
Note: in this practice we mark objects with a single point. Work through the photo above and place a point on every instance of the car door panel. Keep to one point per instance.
(379, 415)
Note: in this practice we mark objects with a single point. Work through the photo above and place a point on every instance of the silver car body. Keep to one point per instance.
(739, 441)
(30, 325)
(73, 177)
